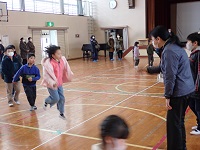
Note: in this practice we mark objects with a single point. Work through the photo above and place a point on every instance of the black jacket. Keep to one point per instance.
(9, 68)
(23, 50)
(31, 47)
(194, 64)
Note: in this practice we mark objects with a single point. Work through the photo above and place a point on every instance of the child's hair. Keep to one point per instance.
(194, 37)
(13, 47)
(8, 47)
(30, 55)
(29, 38)
(51, 50)
(115, 127)
(136, 43)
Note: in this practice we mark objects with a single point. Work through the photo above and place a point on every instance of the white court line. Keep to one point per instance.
(94, 116)
(122, 78)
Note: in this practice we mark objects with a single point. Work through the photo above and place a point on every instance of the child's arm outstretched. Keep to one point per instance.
(18, 74)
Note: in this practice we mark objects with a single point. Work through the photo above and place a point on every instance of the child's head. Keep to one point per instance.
(9, 51)
(193, 41)
(114, 131)
(54, 51)
(31, 58)
(136, 44)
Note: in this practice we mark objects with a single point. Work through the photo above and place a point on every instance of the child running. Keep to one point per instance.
(30, 74)
(56, 71)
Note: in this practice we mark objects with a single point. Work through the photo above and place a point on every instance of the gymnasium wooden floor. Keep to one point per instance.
(98, 90)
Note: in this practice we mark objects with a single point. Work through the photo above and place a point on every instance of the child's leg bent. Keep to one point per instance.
(53, 98)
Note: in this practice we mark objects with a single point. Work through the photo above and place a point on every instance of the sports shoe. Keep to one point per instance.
(45, 106)
(62, 116)
(194, 127)
(34, 107)
(10, 104)
(195, 132)
(17, 102)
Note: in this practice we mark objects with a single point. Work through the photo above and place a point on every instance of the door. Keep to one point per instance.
(37, 42)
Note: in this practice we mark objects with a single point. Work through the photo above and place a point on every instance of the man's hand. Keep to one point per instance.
(168, 105)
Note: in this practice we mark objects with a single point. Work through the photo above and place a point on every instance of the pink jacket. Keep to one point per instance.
(49, 78)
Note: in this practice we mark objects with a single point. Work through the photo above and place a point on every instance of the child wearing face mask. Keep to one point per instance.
(114, 132)
(56, 71)
(95, 48)
(193, 45)
(136, 54)
(10, 65)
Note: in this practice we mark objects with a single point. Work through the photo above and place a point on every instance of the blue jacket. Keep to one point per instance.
(9, 68)
(177, 75)
(25, 72)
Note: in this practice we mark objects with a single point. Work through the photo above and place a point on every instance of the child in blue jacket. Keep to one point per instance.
(30, 74)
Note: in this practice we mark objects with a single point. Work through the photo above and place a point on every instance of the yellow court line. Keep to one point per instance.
(70, 134)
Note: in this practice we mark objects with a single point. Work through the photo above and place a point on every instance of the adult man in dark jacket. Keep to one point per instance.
(10, 65)
(23, 50)
(31, 46)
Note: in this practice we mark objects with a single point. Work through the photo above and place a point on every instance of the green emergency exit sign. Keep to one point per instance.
(49, 24)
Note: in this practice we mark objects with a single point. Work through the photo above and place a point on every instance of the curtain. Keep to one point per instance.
(125, 38)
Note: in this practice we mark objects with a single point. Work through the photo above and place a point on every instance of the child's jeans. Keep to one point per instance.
(56, 96)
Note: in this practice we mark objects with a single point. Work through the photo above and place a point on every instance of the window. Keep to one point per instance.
(50, 6)
(13, 4)
(70, 7)
(47, 6)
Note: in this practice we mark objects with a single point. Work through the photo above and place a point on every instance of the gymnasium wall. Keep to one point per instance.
(120, 16)
(18, 23)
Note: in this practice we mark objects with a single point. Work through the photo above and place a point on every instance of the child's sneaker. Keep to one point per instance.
(45, 106)
(10, 104)
(34, 107)
(194, 127)
(17, 102)
(195, 132)
(62, 116)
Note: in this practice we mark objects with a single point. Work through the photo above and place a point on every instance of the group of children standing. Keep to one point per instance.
(56, 71)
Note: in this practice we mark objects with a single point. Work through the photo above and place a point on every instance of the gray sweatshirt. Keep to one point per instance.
(177, 75)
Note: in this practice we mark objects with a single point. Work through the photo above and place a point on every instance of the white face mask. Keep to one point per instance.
(93, 37)
(154, 45)
(24, 41)
(11, 54)
(30, 40)
(189, 46)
